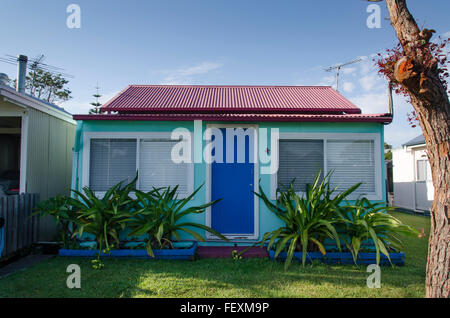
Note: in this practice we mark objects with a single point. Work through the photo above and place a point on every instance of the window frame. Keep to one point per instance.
(375, 137)
(131, 135)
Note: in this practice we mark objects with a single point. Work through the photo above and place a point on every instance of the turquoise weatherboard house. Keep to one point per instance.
(231, 139)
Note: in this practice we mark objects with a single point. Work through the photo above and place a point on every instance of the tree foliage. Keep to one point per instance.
(47, 86)
(96, 104)
(436, 59)
(387, 151)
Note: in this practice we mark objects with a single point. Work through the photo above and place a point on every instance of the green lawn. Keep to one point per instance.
(223, 277)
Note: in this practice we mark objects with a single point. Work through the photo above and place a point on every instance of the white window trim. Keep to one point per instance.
(129, 135)
(377, 195)
(23, 131)
(232, 236)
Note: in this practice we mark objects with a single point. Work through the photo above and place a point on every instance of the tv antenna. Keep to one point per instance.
(338, 68)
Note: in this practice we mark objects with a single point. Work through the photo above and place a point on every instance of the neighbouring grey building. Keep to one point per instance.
(36, 141)
(413, 184)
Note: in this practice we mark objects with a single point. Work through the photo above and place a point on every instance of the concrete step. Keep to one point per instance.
(226, 251)
(23, 263)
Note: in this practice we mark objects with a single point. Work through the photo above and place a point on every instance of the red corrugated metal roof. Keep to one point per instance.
(244, 117)
(210, 98)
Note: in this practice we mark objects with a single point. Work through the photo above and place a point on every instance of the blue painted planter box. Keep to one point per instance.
(177, 254)
(345, 258)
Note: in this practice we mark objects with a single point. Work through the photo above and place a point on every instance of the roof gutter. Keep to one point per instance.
(244, 117)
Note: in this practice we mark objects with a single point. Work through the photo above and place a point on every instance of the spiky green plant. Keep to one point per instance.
(104, 217)
(364, 220)
(160, 217)
(308, 219)
(63, 212)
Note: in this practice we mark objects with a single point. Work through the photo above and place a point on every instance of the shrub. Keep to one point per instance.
(62, 209)
(308, 219)
(160, 217)
(104, 217)
(370, 221)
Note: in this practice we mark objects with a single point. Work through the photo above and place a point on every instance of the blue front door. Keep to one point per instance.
(234, 184)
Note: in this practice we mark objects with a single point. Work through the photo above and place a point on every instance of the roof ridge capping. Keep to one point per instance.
(212, 85)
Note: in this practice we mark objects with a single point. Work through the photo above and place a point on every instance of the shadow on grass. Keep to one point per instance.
(220, 278)
(256, 278)
(202, 278)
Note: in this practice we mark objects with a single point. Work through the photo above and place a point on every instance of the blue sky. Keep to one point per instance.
(246, 42)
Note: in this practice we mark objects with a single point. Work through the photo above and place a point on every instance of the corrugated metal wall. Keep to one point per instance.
(50, 143)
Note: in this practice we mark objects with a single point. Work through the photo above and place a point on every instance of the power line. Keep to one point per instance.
(7, 61)
(36, 63)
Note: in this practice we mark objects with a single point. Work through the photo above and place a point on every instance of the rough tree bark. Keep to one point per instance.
(417, 72)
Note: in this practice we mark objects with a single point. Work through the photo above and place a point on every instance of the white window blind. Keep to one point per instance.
(300, 159)
(352, 161)
(111, 161)
(157, 168)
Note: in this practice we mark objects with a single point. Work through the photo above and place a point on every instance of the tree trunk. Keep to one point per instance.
(417, 72)
(435, 126)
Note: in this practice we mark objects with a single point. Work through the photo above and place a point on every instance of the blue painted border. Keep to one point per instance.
(345, 258)
(177, 254)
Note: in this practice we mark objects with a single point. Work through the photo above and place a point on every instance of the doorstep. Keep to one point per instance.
(226, 252)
